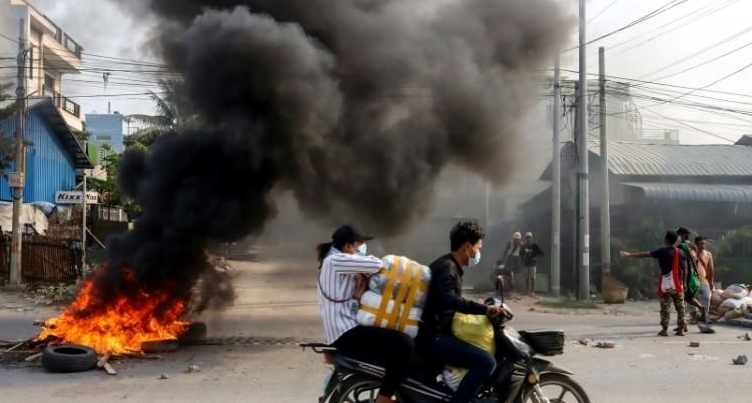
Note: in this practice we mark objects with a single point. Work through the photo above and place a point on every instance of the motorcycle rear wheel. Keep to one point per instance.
(569, 391)
(356, 389)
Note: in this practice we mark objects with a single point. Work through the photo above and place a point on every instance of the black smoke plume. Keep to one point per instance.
(355, 106)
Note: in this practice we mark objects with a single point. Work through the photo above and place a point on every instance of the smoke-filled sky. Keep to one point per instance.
(664, 40)
(310, 96)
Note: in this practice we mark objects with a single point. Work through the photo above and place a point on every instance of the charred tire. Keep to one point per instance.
(69, 358)
(196, 332)
(159, 346)
(356, 389)
(566, 384)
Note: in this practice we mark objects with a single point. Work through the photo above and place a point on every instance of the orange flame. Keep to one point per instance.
(121, 326)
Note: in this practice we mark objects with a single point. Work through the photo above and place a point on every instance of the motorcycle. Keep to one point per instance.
(522, 376)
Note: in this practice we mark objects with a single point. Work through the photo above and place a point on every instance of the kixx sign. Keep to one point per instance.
(74, 197)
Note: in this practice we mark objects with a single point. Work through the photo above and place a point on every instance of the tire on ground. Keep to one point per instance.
(69, 358)
(159, 346)
(196, 332)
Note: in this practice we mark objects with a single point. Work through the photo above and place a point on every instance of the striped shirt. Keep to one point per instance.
(337, 282)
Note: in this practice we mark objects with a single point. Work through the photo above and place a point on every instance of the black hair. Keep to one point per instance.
(682, 231)
(671, 237)
(465, 231)
(322, 250)
(700, 238)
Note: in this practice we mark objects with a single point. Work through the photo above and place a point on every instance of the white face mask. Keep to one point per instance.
(362, 249)
(473, 261)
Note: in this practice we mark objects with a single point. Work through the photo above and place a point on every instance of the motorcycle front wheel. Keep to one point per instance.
(557, 388)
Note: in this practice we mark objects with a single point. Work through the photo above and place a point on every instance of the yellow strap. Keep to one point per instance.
(375, 311)
(406, 279)
(418, 275)
(391, 276)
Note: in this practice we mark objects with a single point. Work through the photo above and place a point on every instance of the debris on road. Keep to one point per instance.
(694, 344)
(192, 368)
(740, 360)
(584, 342)
(163, 376)
(746, 337)
(606, 344)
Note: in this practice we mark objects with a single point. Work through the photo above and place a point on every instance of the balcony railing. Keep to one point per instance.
(65, 40)
(62, 102)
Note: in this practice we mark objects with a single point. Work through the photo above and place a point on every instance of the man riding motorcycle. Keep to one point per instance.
(435, 337)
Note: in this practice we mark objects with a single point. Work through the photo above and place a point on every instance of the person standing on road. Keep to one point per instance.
(529, 253)
(691, 278)
(511, 261)
(435, 337)
(706, 271)
(671, 284)
(343, 266)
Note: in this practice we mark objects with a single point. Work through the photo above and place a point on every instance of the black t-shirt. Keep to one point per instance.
(665, 258)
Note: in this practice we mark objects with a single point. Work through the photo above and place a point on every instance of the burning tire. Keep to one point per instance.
(196, 333)
(69, 358)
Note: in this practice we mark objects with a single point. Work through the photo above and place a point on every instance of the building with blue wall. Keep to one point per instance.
(52, 153)
(106, 129)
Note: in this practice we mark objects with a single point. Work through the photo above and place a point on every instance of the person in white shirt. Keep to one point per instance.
(344, 266)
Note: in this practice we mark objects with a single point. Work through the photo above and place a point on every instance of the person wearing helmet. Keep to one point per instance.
(530, 252)
(511, 259)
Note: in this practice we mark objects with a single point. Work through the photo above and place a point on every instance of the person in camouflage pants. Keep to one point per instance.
(671, 282)
(678, 300)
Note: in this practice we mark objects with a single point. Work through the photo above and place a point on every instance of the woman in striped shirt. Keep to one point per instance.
(344, 269)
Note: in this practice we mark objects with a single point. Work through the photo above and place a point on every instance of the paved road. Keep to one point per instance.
(276, 301)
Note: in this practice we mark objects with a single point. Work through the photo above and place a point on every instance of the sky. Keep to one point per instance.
(688, 61)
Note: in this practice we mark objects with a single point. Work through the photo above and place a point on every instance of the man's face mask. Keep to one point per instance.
(474, 257)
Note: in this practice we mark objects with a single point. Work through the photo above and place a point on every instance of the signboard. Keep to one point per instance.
(16, 179)
(74, 197)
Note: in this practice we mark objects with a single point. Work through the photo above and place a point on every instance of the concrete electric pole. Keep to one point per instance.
(605, 201)
(17, 177)
(582, 175)
(556, 185)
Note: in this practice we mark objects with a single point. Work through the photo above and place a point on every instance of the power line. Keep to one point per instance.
(718, 6)
(660, 10)
(602, 11)
(721, 42)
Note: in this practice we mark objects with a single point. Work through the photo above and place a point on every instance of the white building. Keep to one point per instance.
(52, 53)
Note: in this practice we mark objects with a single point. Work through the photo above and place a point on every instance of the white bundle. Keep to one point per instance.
(406, 285)
(369, 306)
(378, 281)
(452, 376)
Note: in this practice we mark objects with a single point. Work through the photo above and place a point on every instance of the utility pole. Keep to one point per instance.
(556, 185)
(18, 180)
(605, 201)
(83, 225)
(582, 176)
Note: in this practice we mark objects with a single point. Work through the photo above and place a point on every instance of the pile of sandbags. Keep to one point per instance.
(735, 300)
(396, 295)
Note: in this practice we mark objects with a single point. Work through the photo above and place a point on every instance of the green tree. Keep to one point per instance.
(171, 113)
(108, 189)
(640, 275)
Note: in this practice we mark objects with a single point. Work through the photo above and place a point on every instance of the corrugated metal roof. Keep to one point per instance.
(58, 124)
(636, 159)
(694, 192)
